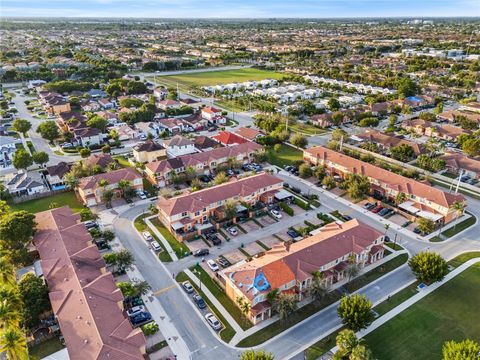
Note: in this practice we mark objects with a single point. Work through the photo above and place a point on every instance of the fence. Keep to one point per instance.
(23, 198)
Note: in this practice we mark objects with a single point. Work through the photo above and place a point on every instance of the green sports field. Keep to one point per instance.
(449, 313)
(218, 77)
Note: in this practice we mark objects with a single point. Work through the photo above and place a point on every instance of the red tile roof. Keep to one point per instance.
(248, 133)
(228, 138)
(84, 297)
(394, 181)
(113, 177)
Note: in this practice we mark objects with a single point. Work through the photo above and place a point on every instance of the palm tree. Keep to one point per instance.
(124, 260)
(230, 209)
(142, 287)
(457, 206)
(9, 314)
(243, 304)
(14, 344)
(11, 295)
(318, 290)
(71, 180)
(7, 271)
(272, 297)
(353, 268)
(285, 305)
(107, 197)
(400, 198)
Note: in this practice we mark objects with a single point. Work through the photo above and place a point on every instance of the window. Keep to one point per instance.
(184, 214)
(204, 209)
(197, 213)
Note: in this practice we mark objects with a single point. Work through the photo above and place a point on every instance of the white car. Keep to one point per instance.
(212, 265)
(141, 195)
(155, 246)
(233, 231)
(187, 287)
(276, 214)
(135, 310)
(213, 321)
(147, 236)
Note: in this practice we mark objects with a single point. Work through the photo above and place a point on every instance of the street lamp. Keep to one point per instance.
(199, 277)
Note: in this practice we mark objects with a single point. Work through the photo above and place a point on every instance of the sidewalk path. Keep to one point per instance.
(164, 241)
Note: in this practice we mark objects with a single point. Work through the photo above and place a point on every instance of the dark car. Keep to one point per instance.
(417, 230)
(383, 212)
(199, 301)
(347, 217)
(201, 252)
(293, 234)
(406, 223)
(224, 262)
(204, 178)
(214, 239)
(141, 318)
(369, 206)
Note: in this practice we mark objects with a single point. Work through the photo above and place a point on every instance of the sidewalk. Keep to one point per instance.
(215, 302)
(165, 243)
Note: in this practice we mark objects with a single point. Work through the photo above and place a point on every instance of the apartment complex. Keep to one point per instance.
(90, 190)
(84, 297)
(291, 267)
(423, 200)
(188, 215)
(161, 172)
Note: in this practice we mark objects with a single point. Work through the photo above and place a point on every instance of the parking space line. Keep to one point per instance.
(158, 292)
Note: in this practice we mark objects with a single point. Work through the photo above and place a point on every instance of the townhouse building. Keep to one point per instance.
(387, 141)
(429, 129)
(90, 190)
(292, 267)
(161, 172)
(188, 215)
(456, 162)
(423, 200)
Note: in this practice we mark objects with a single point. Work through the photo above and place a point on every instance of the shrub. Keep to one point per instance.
(302, 204)
(150, 329)
(286, 208)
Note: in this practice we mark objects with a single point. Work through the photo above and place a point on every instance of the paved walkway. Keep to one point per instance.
(164, 241)
(415, 298)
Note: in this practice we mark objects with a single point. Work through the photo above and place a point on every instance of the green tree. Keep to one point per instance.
(7, 272)
(141, 288)
(463, 350)
(98, 122)
(126, 288)
(48, 130)
(272, 296)
(277, 148)
(426, 226)
(71, 180)
(361, 352)
(333, 104)
(40, 157)
(457, 207)
(299, 140)
(220, 178)
(87, 214)
(84, 152)
(471, 147)
(34, 294)
(22, 159)
(406, 87)
(305, 170)
(318, 290)
(328, 182)
(16, 230)
(22, 126)
(400, 198)
(285, 305)
(346, 341)
(108, 235)
(337, 118)
(320, 172)
(428, 266)
(259, 355)
(403, 152)
(230, 209)
(356, 312)
(14, 344)
(107, 196)
(358, 186)
(353, 268)
(124, 260)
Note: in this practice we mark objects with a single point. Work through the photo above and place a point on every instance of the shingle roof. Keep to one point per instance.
(84, 297)
(113, 177)
(248, 133)
(148, 146)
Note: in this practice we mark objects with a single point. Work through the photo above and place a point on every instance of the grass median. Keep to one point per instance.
(227, 333)
(141, 226)
(179, 248)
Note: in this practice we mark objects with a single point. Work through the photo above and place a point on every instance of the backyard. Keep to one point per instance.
(42, 204)
(421, 330)
(219, 77)
(286, 156)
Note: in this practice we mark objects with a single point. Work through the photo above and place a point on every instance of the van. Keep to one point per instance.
(156, 246)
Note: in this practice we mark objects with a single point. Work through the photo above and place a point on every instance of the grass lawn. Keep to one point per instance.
(122, 161)
(45, 348)
(230, 105)
(220, 295)
(460, 259)
(227, 333)
(179, 248)
(394, 246)
(220, 77)
(396, 299)
(455, 229)
(286, 156)
(141, 226)
(321, 346)
(420, 331)
(306, 129)
(374, 274)
(42, 204)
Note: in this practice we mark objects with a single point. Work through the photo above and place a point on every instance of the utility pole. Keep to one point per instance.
(341, 143)
(458, 182)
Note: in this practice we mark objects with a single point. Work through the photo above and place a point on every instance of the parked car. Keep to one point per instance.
(377, 209)
(187, 287)
(233, 231)
(288, 168)
(213, 321)
(417, 230)
(406, 223)
(141, 194)
(204, 178)
(292, 233)
(141, 318)
(369, 206)
(147, 236)
(215, 240)
(347, 217)
(212, 265)
(276, 214)
(199, 301)
(155, 246)
(201, 252)
(91, 224)
(224, 262)
(384, 212)
(136, 310)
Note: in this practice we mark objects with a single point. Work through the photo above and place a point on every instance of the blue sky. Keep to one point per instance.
(239, 8)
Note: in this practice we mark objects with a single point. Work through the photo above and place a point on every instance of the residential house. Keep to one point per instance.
(88, 136)
(90, 192)
(387, 141)
(195, 121)
(71, 121)
(169, 104)
(187, 215)
(205, 143)
(8, 146)
(107, 104)
(56, 173)
(458, 161)
(85, 299)
(20, 184)
(453, 115)
(125, 132)
(423, 200)
(173, 126)
(248, 133)
(99, 160)
(471, 106)
(178, 145)
(291, 267)
(213, 115)
(53, 102)
(195, 104)
(148, 152)
(427, 128)
(160, 172)
(160, 93)
(228, 139)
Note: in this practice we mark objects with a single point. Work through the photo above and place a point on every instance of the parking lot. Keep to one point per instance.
(250, 226)
(253, 249)
(234, 256)
(267, 220)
